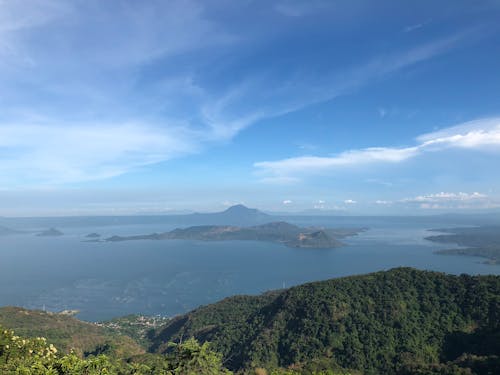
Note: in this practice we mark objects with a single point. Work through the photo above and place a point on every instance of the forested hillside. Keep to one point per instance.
(402, 321)
(385, 322)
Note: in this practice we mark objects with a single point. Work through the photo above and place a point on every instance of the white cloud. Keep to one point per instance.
(383, 202)
(63, 65)
(410, 28)
(451, 200)
(416, 26)
(319, 204)
(64, 154)
(480, 135)
(350, 201)
(287, 202)
(447, 197)
(345, 159)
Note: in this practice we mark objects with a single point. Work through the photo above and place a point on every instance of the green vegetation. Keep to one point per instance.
(281, 232)
(400, 321)
(477, 241)
(67, 332)
(139, 327)
(35, 356)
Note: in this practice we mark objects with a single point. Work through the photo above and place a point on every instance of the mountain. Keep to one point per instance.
(66, 332)
(400, 321)
(234, 215)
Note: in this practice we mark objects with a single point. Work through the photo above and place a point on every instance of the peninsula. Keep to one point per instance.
(473, 241)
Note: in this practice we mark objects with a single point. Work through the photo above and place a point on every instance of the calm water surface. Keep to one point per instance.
(105, 280)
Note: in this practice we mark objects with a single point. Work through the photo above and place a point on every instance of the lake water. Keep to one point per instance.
(105, 280)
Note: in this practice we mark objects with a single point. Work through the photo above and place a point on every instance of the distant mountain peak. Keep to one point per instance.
(240, 208)
(234, 215)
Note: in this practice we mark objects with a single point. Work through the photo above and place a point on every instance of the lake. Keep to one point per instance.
(105, 280)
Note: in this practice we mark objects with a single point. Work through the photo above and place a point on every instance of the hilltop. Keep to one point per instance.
(67, 332)
(385, 322)
(234, 215)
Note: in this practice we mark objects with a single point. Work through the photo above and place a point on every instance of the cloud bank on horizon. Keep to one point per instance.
(162, 94)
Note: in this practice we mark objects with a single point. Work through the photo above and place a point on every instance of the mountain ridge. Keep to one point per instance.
(375, 323)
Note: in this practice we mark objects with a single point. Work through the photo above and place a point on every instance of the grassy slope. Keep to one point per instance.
(66, 332)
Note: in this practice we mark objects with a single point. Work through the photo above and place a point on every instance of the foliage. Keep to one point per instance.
(23, 356)
(138, 327)
(66, 332)
(384, 322)
(401, 321)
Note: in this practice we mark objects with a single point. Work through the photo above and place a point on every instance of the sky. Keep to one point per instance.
(349, 107)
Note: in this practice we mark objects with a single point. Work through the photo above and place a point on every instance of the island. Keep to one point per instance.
(473, 241)
(52, 232)
(280, 232)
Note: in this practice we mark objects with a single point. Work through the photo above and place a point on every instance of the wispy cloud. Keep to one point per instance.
(64, 65)
(54, 154)
(228, 114)
(416, 26)
(480, 135)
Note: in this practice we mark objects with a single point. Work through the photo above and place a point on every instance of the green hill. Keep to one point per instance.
(67, 332)
(399, 321)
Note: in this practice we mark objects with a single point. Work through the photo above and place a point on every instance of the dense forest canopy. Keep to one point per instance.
(376, 323)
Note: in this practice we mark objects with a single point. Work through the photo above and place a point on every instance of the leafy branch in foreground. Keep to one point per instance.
(22, 356)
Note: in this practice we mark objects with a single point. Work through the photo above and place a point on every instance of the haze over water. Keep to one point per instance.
(110, 279)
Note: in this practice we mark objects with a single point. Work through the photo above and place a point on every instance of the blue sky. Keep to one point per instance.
(111, 107)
